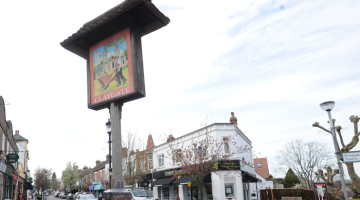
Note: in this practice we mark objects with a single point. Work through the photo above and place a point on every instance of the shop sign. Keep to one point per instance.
(168, 173)
(320, 190)
(352, 156)
(15, 177)
(12, 158)
(227, 165)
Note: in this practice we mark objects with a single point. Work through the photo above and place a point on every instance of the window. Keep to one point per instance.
(142, 164)
(226, 145)
(229, 190)
(95, 178)
(176, 156)
(201, 151)
(8, 146)
(259, 165)
(161, 160)
(150, 161)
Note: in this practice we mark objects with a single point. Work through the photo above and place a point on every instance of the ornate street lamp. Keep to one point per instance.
(328, 106)
(108, 130)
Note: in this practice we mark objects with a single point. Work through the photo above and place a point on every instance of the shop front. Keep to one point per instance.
(228, 182)
(2, 179)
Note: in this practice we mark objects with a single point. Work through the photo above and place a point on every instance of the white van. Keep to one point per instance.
(140, 194)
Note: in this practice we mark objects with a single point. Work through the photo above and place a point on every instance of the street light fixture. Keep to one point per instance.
(328, 106)
(43, 192)
(108, 130)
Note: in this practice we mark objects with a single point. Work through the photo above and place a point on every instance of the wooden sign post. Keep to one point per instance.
(111, 44)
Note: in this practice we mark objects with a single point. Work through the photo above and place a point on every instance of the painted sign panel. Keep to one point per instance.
(111, 73)
(320, 190)
(352, 156)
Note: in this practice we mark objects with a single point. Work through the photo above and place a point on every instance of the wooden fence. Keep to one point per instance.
(276, 194)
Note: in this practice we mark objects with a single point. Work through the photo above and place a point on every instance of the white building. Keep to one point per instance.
(222, 184)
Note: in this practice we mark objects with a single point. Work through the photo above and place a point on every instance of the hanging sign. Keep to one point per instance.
(352, 156)
(12, 158)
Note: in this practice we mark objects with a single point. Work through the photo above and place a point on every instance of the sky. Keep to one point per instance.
(271, 62)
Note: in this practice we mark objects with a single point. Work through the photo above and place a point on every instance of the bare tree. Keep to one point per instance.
(130, 144)
(346, 148)
(204, 155)
(304, 158)
(40, 179)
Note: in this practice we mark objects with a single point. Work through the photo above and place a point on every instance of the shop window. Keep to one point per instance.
(259, 165)
(161, 160)
(142, 164)
(226, 145)
(229, 190)
(150, 161)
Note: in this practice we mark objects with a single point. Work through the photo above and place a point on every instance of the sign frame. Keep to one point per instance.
(325, 195)
(345, 154)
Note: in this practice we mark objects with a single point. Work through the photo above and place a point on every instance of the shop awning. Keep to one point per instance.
(91, 187)
(99, 187)
(163, 181)
(188, 179)
(249, 178)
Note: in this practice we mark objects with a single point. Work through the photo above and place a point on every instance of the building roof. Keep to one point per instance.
(20, 138)
(236, 127)
(150, 19)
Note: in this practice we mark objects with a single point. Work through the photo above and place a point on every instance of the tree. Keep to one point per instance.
(125, 53)
(70, 176)
(290, 179)
(42, 180)
(340, 193)
(55, 184)
(346, 148)
(130, 143)
(304, 158)
(203, 156)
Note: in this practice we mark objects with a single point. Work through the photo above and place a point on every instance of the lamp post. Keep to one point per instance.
(328, 106)
(108, 130)
(43, 193)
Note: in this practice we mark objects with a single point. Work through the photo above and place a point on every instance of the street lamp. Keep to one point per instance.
(43, 193)
(328, 106)
(108, 130)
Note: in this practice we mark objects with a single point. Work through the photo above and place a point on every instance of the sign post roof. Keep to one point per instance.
(121, 16)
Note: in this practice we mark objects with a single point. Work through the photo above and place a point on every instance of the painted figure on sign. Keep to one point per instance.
(320, 192)
(120, 77)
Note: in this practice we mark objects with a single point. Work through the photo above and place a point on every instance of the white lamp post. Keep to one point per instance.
(328, 106)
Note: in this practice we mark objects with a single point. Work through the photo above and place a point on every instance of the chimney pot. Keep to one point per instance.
(233, 118)
(137, 150)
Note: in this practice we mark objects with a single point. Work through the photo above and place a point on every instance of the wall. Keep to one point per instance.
(215, 130)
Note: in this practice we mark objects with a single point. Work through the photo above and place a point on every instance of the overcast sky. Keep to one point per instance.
(271, 62)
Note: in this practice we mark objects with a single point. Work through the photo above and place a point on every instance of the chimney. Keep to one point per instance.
(137, 150)
(233, 118)
(171, 138)
(97, 162)
(107, 157)
(16, 132)
(84, 167)
(271, 177)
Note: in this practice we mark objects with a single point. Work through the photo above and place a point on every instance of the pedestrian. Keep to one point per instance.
(21, 196)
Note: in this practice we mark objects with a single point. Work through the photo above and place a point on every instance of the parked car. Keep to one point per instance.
(76, 194)
(64, 196)
(70, 196)
(86, 197)
(57, 194)
(141, 194)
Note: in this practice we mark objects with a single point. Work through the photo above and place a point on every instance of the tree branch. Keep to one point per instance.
(338, 130)
(316, 124)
